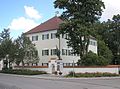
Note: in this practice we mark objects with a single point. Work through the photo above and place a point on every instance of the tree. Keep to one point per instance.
(92, 59)
(101, 33)
(4, 35)
(105, 52)
(110, 33)
(26, 52)
(78, 17)
(7, 48)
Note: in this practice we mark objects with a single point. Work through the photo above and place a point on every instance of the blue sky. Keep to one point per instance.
(22, 15)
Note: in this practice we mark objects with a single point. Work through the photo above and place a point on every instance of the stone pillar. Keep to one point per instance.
(1, 64)
(52, 66)
(59, 66)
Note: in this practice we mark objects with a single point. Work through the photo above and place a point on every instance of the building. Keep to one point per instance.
(44, 37)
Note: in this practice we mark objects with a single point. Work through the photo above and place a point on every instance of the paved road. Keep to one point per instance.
(15, 82)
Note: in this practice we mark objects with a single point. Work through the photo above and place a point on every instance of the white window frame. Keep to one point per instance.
(45, 52)
(45, 36)
(53, 35)
(93, 43)
(53, 51)
(35, 38)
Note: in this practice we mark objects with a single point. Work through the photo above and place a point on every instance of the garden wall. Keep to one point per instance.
(1, 65)
(78, 69)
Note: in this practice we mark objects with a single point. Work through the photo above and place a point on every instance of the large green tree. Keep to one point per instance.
(101, 34)
(78, 17)
(7, 48)
(111, 36)
(26, 52)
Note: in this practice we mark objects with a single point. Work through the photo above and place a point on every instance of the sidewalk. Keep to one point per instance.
(51, 76)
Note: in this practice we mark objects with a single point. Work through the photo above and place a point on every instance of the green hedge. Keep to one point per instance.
(22, 72)
(92, 74)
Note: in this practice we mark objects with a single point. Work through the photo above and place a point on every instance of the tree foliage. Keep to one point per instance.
(104, 51)
(79, 16)
(92, 59)
(4, 34)
(7, 48)
(110, 32)
(18, 51)
(27, 52)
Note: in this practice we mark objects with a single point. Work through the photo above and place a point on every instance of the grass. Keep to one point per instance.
(22, 72)
(92, 74)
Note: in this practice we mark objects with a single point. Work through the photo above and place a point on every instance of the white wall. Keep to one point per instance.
(91, 70)
(82, 70)
(45, 44)
(1, 65)
(92, 47)
(51, 44)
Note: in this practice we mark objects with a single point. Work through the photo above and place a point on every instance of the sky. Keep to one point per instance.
(23, 15)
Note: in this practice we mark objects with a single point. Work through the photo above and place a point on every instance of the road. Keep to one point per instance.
(19, 82)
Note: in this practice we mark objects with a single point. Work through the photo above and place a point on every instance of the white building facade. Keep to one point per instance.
(44, 37)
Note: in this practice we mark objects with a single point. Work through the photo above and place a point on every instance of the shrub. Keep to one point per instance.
(98, 74)
(92, 59)
(71, 73)
(22, 72)
(89, 59)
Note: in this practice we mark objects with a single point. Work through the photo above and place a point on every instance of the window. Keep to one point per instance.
(45, 36)
(64, 52)
(62, 35)
(53, 35)
(65, 36)
(93, 43)
(53, 51)
(69, 52)
(45, 52)
(34, 38)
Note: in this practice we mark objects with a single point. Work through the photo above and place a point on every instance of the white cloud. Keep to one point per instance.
(112, 8)
(22, 23)
(32, 12)
(25, 23)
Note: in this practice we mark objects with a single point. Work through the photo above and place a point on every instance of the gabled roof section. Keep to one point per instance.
(49, 25)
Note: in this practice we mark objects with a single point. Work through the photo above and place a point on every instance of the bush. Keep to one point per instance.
(22, 72)
(92, 59)
(98, 74)
(71, 73)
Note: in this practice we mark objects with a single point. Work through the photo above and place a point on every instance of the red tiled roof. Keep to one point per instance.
(50, 24)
